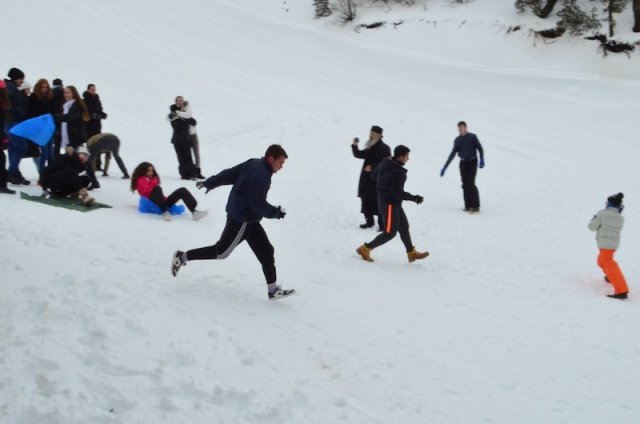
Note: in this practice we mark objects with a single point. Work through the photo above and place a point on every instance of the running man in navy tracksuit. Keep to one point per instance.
(466, 145)
(247, 205)
(390, 176)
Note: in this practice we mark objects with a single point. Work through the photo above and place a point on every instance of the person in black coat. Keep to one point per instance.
(69, 174)
(181, 141)
(73, 117)
(374, 152)
(16, 113)
(94, 106)
(96, 114)
(390, 177)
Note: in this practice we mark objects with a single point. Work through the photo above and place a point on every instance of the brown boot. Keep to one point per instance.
(414, 255)
(84, 197)
(364, 252)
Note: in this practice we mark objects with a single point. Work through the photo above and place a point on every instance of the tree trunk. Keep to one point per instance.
(611, 22)
(636, 15)
(547, 9)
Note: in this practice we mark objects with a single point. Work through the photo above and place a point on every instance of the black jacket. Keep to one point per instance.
(372, 156)
(75, 125)
(67, 175)
(96, 114)
(390, 177)
(180, 127)
(248, 198)
(38, 107)
(18, 110)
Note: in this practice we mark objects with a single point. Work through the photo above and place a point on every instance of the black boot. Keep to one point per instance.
(199, 174)
(618, 296)
(369, 221)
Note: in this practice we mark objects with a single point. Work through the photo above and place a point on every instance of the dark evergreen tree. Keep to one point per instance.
(611, 7)
(536, 6)
(576, 20)
(322, 8)
(523, 5)
(547, 8)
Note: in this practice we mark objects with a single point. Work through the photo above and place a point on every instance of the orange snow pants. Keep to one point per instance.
(612, 270)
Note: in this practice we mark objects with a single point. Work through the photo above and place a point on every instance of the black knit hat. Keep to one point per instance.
(57, 81)
(400, 150)
(15, 74)
(615, 200)
(376, 129)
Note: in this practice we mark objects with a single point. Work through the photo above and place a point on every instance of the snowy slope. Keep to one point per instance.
(505, 322)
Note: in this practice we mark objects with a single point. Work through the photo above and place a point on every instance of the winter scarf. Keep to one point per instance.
(64, 127)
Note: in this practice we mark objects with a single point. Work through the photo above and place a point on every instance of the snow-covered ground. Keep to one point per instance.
(506, 321)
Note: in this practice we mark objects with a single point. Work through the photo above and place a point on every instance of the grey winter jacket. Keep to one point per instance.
(608, 224)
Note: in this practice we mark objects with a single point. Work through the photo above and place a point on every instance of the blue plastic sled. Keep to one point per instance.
(147, 206)
(38, 129)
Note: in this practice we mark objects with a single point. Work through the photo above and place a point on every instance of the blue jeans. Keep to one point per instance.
(46, 156)
(17, 149)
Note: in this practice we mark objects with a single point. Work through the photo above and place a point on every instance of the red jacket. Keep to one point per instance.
(144, 185)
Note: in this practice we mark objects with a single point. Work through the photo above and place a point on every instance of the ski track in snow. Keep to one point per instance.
(506, 321)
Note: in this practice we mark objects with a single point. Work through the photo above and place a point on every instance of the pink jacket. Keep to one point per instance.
(144, 185)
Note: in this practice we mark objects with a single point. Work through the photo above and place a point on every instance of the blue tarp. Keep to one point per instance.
(38, 129)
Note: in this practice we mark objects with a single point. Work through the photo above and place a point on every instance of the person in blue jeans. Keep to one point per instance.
(466, 145)
(17, 113)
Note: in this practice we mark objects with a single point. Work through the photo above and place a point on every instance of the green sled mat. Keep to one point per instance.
(63, 202)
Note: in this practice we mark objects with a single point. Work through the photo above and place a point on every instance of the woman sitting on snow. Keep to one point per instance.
(146, 181)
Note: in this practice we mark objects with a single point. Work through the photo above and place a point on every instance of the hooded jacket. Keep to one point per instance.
(390, 177)
(607, 224)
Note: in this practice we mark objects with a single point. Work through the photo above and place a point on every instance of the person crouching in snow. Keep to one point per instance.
(146, 181)
(71, 175)
(608, 224)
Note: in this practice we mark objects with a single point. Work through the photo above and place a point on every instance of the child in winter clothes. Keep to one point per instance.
(608, 224)
(147, 182)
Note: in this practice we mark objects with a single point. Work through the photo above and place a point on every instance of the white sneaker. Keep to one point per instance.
(166, 216)
(176, 262)
(198, 215)
(279, 293)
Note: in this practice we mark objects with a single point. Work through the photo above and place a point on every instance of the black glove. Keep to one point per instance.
(173, 108)
(192, 121)
(172, 115)
(281, 213)
(201, 184)
(418, 199)
(104, 115)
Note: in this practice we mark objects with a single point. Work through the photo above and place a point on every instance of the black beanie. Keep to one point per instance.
(400, 150)
(376, 129)
(57, 81)
(615, 200)
(15, 74)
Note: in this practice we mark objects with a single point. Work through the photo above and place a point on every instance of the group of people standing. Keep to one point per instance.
(77, 123)
(381, 190)
(381, 186)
